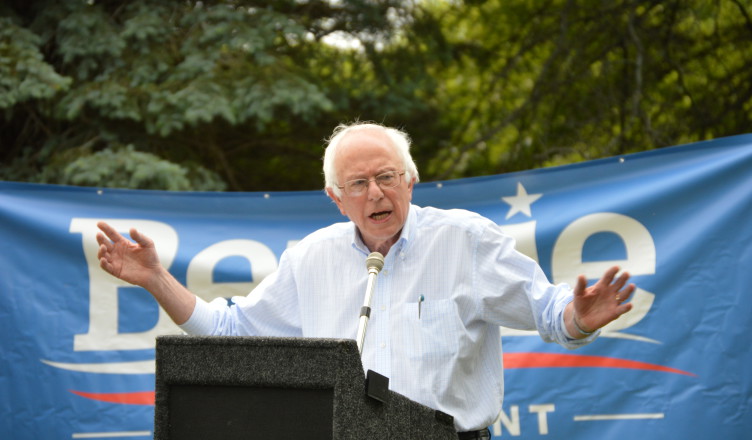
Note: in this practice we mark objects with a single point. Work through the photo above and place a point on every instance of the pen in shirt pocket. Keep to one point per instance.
(420, 304)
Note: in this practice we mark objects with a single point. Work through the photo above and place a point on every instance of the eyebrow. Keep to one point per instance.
(378, 173)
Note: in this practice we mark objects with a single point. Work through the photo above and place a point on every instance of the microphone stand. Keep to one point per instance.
(374, 263)
(377, 385)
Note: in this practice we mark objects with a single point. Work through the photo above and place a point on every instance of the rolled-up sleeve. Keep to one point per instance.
(271, 309)
(516, 293)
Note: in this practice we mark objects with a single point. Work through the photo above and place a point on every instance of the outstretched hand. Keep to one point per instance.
(603, 302)
(135, 263)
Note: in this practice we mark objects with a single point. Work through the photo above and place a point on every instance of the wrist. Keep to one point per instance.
(158, 280)
(579, 326)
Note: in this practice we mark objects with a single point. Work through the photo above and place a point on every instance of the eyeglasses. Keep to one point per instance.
(356, 187)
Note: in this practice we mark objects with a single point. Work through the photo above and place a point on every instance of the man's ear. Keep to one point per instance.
(337, 200)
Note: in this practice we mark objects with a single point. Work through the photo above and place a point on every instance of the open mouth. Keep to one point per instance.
(380, 215)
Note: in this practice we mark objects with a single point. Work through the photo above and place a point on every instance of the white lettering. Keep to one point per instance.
(640, 260)
(103, 331)
(542, 411)
(512, 425)
(567, 255)
(199, 278)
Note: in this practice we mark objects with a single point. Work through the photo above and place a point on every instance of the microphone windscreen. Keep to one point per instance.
(375, 260)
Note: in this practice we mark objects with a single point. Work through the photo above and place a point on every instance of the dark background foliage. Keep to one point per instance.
(240, 95)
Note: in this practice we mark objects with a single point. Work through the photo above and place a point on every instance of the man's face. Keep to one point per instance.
(379, 213)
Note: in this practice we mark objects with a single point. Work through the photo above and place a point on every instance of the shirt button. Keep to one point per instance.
(383, 345)
(385, 272)
(383, 308)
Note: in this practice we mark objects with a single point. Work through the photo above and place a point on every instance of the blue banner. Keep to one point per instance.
(78, 345)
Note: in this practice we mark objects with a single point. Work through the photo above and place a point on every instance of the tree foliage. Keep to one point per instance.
(244, 91)
(239, 95)
(557, 81)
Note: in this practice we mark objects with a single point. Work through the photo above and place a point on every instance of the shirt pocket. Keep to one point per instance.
(433, 338)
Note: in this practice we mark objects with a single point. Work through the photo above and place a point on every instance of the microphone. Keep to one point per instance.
(374, 263)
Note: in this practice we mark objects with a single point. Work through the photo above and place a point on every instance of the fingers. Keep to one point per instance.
(624, 295)
(618, 283)
(621, 281)
(624, 308)
(141, 239)
(579, 289)
(106, 243)
(111, 233)
(115, 237)
(104, 255)
(105, 264)
(608, 276)
(104, 252)
(609, 285)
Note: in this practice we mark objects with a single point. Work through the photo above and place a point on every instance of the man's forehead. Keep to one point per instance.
(364, 135)
(372, 145)
(365, 157)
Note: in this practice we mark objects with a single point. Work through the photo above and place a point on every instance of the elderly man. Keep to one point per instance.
(444, 352)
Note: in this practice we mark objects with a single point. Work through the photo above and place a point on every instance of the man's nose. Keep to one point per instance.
(374, 190)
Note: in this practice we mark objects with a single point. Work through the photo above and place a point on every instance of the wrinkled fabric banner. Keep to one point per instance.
(78, 345)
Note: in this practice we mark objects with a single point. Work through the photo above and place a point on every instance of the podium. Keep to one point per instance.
(232, 388)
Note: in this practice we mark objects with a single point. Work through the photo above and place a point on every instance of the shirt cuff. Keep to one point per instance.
(201, 321)
(587, 338)
(576, 341)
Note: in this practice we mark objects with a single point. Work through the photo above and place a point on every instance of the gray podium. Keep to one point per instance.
(233, 388)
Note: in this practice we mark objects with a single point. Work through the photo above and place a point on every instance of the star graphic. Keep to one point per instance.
(521, 202)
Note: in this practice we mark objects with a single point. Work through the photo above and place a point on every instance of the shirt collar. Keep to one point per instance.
(408, 229)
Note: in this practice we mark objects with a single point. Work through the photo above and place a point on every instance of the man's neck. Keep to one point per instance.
(381, 247)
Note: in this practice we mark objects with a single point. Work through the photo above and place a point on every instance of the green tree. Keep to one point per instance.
(237, 95)
(240, 95)
(541, 83)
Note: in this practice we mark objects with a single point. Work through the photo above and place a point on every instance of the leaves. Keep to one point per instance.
(177, 79)
(482, 87)
(128, 168)
(24, 75)
(546, 83)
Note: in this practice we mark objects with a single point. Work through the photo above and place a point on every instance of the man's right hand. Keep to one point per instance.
(136, 263)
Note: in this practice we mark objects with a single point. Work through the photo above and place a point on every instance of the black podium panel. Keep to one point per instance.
(250, 412)
(219, 387)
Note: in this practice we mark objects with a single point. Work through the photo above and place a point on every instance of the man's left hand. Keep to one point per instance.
(597, 305)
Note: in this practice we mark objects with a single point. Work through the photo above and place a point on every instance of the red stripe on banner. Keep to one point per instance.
(511, 361)
(134, 398)
(553, 360)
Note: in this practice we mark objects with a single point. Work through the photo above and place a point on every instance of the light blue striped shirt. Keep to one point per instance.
(472, 281)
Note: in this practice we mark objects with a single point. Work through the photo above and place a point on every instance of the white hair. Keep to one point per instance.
(400, 142)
